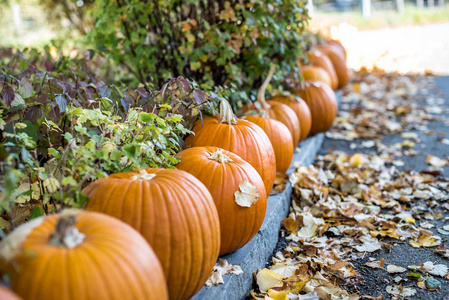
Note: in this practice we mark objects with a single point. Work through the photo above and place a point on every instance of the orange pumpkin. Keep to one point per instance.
(175, 213)
(319, 59)
(301, 109)
(241, 137)
(339, 63)
(227, 176)
(81, 255)
(279, 111)
(6, 294)
(280, 138)
(322, 102)
(316, 73)
(339, 46)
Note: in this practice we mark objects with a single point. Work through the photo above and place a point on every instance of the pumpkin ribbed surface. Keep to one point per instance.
(302, 112)
(280, 138)
(244, 138)
(322, 102)
(317, 74)
(113, 261)
(339, 63)
(174, 212)
(221, 172)
(284, 114)
(319, 59)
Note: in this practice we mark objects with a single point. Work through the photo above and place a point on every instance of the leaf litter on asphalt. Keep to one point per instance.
(347, 206)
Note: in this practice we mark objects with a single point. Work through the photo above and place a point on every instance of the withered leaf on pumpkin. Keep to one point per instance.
(248, 194)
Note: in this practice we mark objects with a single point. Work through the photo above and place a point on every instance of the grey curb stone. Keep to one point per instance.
(255, 254)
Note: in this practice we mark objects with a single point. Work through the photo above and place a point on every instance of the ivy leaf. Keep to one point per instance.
(8, 94)
(26, 88)
(62, 103)
(18, 100)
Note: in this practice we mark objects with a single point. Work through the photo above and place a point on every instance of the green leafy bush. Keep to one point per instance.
(215, 43)
(61, 128)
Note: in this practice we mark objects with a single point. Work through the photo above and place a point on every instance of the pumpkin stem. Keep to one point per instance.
(218, 156)
(143, 175)
(226, 113)
(66, 234)
(263, 88)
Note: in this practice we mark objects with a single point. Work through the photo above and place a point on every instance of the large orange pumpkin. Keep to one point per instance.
(81, 255)
(338, 61)
(241, 137)
(176, 214)
(301, 109)
(316, 73)
(227, 177)
(280, 138)
(279, 111)
(322, 102)
(6, 294)
(319, 59)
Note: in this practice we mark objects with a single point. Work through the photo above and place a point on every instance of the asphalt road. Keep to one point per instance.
(375, 281)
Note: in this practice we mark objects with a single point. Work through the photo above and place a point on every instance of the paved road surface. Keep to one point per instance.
(413, 48)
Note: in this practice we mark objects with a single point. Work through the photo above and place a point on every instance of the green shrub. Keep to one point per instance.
(215, 43)
(61, 128)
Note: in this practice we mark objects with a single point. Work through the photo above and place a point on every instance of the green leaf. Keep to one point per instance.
(36, 212)
(25, 88)
(18, 100)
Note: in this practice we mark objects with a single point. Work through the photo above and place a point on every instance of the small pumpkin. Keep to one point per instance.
(280, 138)
(319, 59)
(322, 102)
(339, 63)
(175, 213)
(81, 255)
(237, 189)
(6, 294)
(279, 111)
(301, 109)
(316, 73)
(241, 137)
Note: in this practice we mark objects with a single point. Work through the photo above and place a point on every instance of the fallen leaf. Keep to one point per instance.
(222, 268)
(248, 194)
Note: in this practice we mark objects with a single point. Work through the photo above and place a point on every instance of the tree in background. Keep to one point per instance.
(214, 42)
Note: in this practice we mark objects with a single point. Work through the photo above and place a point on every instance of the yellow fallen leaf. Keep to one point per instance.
(282, 295)
(267, 279)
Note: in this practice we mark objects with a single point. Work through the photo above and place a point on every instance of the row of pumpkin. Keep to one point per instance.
(213, 204)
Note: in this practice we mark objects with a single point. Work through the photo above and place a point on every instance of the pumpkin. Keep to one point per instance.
(241, 137)
(301, 109)
(322, 102)
(319, 59)
(174, 212)
(339, 63)
(338, 45)
(6, 294)
(237, 189)
(280, 138)
(81, 255)
(316, 73)
(279, 111)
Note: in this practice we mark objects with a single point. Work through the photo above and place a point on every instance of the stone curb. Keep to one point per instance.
(255, 254)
